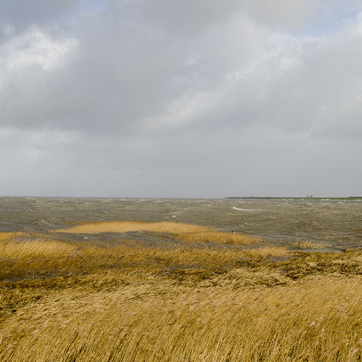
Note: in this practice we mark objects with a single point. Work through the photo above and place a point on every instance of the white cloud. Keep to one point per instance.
(30, 64)
(34, 48)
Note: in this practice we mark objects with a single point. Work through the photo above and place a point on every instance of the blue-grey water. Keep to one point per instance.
(335, 224)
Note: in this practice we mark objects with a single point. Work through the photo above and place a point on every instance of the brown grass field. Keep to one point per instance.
(210, 296)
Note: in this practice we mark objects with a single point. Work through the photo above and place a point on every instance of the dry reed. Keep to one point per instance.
(67, 301)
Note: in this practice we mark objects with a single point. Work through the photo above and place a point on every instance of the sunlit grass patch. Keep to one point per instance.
(191, 233)
(35, 248)
(10, 236)
(127, 226)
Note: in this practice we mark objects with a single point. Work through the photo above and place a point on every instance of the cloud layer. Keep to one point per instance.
(180, 99)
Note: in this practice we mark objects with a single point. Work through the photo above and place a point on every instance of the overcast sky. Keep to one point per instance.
(191, 98)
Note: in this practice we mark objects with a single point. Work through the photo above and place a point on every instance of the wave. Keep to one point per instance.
(251, 210)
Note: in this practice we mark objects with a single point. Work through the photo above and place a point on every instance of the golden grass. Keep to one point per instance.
(32, 248)
(268, 251)
(67, 301)
(192, 233)
(307, 245)
(9, 236)
(317, 320)
(127, 226)
(218, 237)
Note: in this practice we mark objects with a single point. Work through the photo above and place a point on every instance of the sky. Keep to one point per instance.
(186, 99)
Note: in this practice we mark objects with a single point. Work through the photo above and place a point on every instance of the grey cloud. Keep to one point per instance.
(193, 17)
(115, 69)
(145, 101)
(190, 17)
(281, 14)
(128, 78)
(20, 14)
(309, 86)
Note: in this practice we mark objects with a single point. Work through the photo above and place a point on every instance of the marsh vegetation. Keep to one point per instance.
(180, 292)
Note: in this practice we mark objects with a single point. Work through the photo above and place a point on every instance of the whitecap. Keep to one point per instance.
(236, 208)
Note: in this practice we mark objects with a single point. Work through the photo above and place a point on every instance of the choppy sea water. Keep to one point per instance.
(332, 223)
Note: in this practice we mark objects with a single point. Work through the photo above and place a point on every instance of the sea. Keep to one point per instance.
(333, 224)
